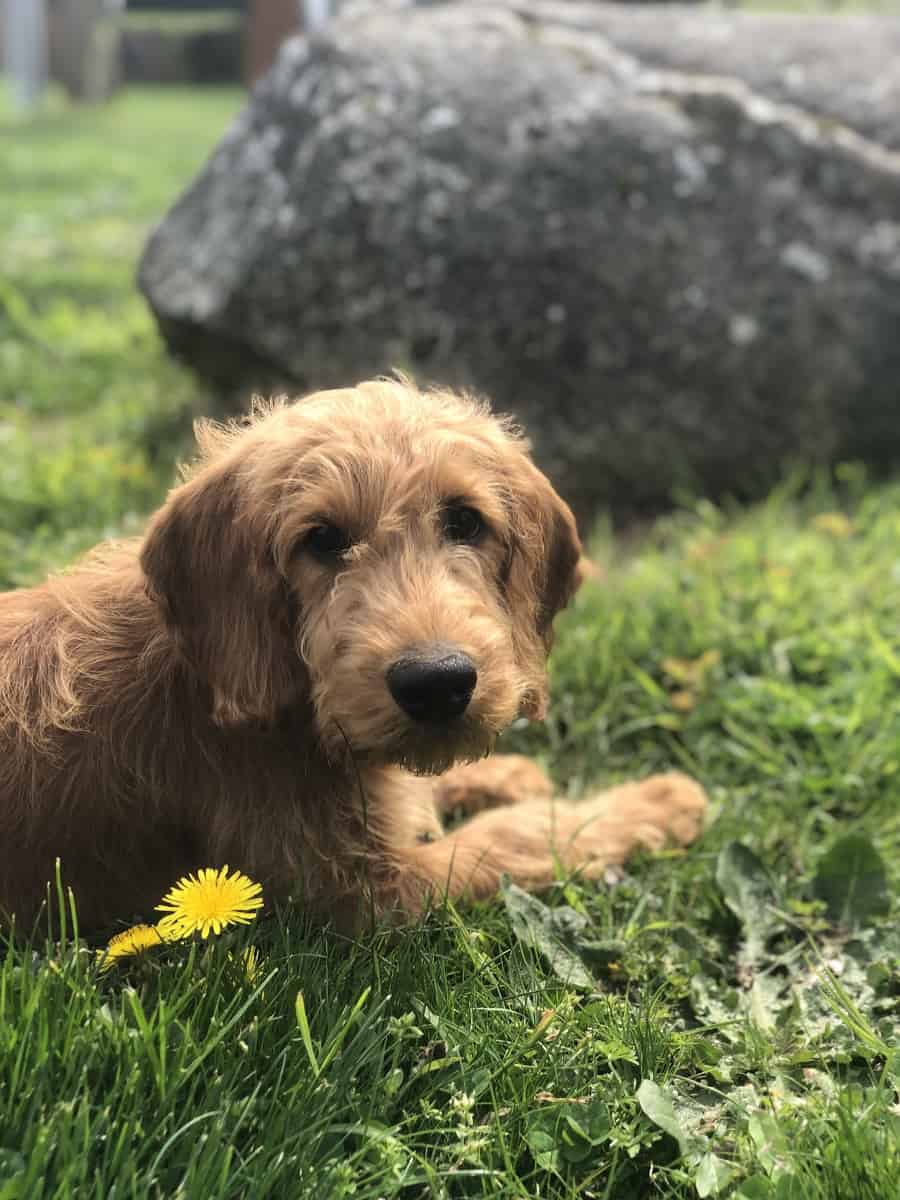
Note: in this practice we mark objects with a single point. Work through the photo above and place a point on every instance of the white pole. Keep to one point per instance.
(316, 14)
(25, 38)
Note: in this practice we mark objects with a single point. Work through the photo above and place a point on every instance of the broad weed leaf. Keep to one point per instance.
(852, 881)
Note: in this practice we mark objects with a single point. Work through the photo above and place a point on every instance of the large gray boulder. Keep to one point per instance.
(675, 270)
(845, 69)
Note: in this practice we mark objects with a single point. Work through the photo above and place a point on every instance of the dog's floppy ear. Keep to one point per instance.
(209, 568)
(562, 574)
(544, 571)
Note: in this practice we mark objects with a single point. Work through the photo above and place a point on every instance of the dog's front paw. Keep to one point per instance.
(609, 827)
(678, 804)
(495, 782)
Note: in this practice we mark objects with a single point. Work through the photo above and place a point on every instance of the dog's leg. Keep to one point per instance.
(494, 782)
(533, 841)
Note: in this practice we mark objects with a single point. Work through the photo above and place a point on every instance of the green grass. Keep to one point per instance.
(90, 407)
(721, 1021)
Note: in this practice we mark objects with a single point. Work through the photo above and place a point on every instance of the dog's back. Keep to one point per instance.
(77, 726)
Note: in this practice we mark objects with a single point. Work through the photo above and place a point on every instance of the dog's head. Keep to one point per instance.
(388, 556)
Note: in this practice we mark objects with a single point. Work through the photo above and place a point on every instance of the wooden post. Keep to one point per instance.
(269, 22)
(84, 48)
(25, 39)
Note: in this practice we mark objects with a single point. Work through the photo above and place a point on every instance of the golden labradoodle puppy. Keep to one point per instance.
(344, 598)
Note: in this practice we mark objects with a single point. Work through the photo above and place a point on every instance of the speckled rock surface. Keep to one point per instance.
(844, 69)
(669, 275)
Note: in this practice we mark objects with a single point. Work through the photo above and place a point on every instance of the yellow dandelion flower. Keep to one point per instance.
(208, 902)
(683, 700)
(837, 524)
(248, 963)
(130, 941)
(252, 964)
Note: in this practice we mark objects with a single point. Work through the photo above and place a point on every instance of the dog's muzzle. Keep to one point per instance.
(434, 683)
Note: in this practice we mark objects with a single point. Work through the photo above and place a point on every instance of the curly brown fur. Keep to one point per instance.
(215, 691)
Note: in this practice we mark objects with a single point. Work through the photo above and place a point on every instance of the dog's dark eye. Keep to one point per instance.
(462, 524)
(328, 541)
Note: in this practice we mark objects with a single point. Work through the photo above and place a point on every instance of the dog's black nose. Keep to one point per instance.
(434, 684)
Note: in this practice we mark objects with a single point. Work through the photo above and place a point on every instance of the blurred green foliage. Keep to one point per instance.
(92, 411)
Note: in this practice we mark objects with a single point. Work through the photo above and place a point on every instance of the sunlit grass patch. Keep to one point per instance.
(722, 1021)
